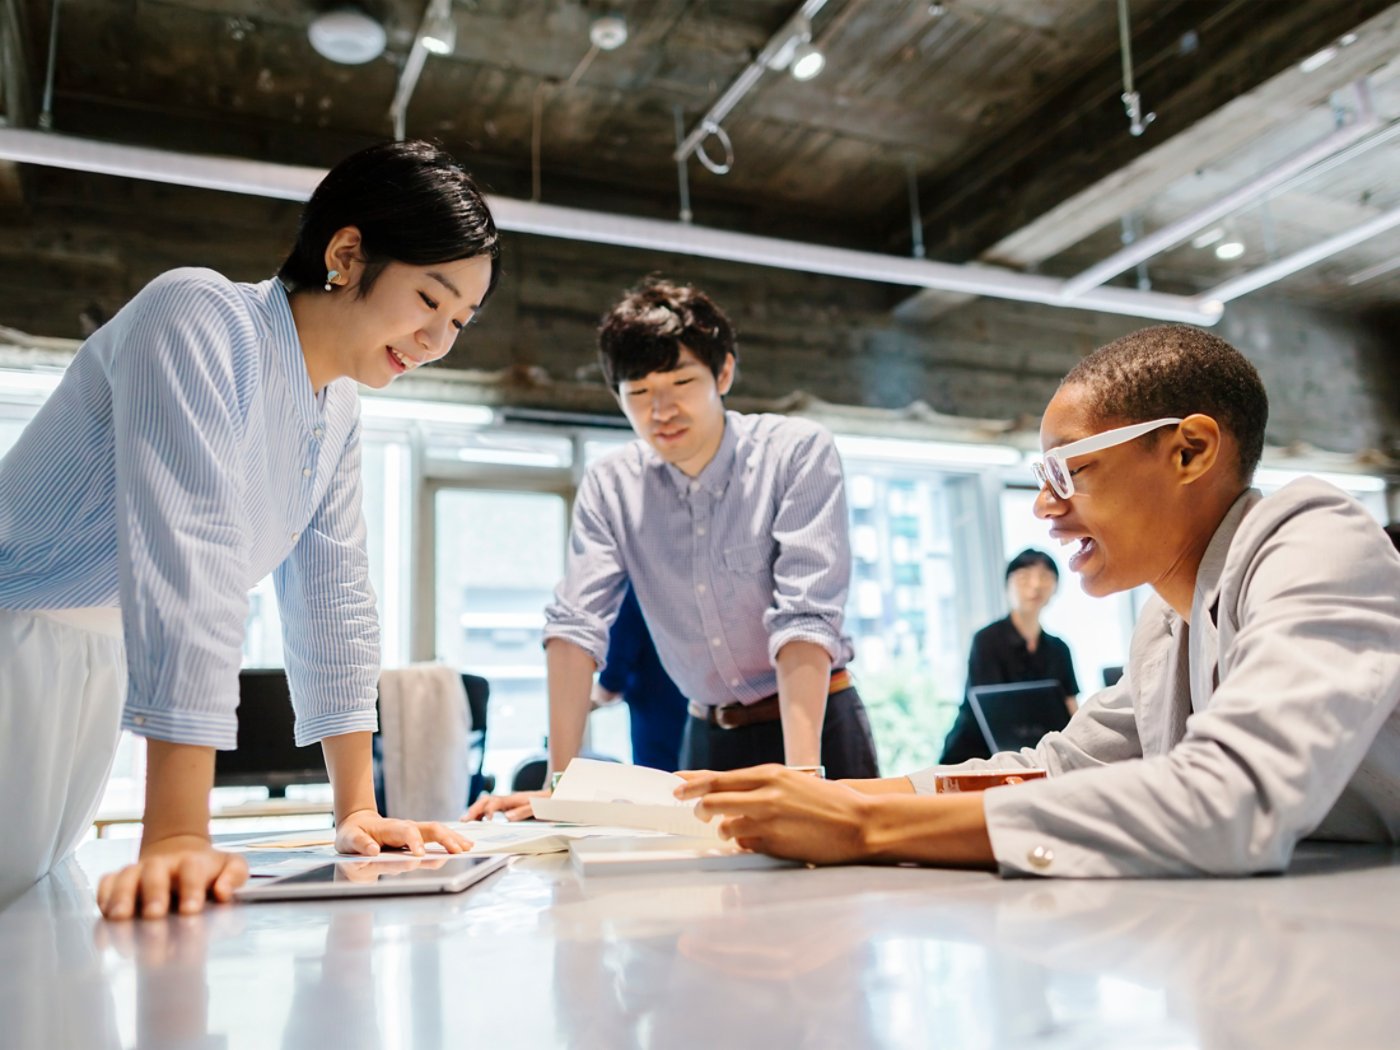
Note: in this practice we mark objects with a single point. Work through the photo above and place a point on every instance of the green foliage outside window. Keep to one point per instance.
(908, 718)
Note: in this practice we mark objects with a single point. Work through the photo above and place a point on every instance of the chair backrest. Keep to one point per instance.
(1018, 715)
(478, 694)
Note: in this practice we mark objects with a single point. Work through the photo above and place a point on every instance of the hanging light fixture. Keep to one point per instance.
(439, 31)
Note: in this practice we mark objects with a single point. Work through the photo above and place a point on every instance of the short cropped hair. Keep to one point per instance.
(1178, 370)
(411, 202)
(646, 330)
(1031, 557)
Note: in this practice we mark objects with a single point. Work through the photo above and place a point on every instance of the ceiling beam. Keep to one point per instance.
(1165, 154)
(1080, 136)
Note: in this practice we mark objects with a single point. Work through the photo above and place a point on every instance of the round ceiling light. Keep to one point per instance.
(608, 32)
(347, 35)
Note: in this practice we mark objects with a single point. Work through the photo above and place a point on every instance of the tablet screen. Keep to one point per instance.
(385, 875)
(409, 869)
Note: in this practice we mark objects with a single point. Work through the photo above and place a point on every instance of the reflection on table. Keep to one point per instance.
(842, 957)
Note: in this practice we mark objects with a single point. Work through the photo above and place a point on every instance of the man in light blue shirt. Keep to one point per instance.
(732, 530)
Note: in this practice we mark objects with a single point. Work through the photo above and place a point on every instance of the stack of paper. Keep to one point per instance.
(593, 792)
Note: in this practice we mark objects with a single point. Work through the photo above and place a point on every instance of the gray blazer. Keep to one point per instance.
(1272, 717)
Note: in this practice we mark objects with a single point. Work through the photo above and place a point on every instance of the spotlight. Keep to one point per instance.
(1229, 250)
(439, 31)
(807, 61)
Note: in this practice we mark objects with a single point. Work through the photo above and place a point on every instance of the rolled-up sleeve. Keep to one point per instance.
(330, 623)
(595, 581)
(812, 568)
(180, 382)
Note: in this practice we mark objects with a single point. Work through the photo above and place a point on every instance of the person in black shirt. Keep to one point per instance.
(1014, 649)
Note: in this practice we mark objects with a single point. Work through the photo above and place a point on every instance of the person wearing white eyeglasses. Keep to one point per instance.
(1260, 704)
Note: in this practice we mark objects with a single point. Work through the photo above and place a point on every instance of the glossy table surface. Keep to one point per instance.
(840, 957)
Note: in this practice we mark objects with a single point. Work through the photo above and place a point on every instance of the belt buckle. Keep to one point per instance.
(720, 715)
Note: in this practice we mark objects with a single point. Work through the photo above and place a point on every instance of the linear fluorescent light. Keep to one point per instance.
(397, 408)
(13, 381)
(1274, 477)
(942, 453)
(508, 457)
(545, 220)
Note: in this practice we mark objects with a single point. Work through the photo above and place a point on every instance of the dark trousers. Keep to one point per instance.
(848, 749)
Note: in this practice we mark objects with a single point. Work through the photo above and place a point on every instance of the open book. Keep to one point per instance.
(593, 792)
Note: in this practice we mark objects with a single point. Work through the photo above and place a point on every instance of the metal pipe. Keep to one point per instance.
(744, 82)
(1174, 233)
(1301, 260)
(46, 111)
(408, 78)
(682, 175)
(916, 219)
(296, 183)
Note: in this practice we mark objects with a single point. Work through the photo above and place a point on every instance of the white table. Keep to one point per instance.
(840, 958)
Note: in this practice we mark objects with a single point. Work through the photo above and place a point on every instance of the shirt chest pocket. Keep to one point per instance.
(746, 577)
(747, 557)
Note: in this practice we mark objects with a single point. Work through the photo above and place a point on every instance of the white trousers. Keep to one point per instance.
(62, 684)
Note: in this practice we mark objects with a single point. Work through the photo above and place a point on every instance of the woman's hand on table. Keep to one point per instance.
(185, 868)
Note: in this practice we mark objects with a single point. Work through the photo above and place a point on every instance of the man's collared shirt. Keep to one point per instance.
(728, 567)
(183, 457)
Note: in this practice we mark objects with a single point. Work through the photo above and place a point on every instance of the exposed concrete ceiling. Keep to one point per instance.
(982, 97)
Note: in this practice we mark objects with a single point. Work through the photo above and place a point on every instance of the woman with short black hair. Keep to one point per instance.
(1014, 649)
(206, 436)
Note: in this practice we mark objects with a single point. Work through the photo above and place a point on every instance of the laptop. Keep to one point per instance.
(1018, 715)
(434, 873)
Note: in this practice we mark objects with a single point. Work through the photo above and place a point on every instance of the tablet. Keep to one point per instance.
(376, 878)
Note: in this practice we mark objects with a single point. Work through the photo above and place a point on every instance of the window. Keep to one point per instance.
(498, 556)
(916, 538)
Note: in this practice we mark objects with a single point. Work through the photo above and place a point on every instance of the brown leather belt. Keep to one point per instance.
(736, 716)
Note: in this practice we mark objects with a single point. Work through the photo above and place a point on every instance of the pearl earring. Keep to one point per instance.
(331, 276)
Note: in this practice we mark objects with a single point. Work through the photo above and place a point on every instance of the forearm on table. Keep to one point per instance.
(881, 786)
(570, 674)
(351, 766)
(946, 830)
(178, 780)
(804, 675)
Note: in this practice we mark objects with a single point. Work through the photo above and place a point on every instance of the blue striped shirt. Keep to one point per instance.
(728, 567)
(183, 457)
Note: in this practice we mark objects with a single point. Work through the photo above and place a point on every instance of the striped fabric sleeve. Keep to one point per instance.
(812, 572)
(594, 584)
(181, 379)
(330, 626)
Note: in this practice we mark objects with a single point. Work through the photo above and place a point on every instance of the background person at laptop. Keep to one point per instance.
(1261, 700)
(732, 530)
(1014, 649)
